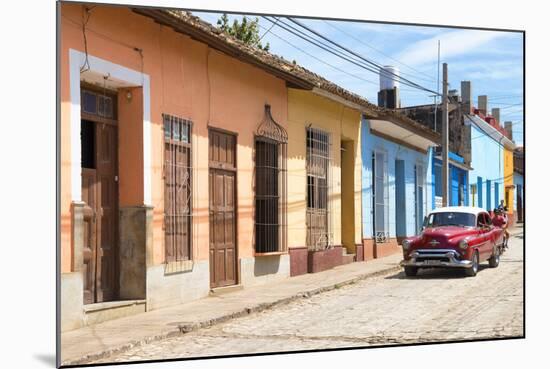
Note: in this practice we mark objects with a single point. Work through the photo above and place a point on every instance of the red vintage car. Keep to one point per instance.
(454, 237)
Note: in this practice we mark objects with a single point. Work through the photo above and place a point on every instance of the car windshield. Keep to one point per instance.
(451, 218)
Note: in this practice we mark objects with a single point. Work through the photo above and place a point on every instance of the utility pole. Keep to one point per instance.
(435, 96)
(445, 139)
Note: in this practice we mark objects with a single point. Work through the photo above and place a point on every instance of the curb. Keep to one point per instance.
(186, 328)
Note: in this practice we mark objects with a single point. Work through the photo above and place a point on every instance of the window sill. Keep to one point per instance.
(270, 253)
(173, 267)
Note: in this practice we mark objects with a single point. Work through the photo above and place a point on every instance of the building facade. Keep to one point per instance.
(324, 172)
(509, 187)
(191, 162)
(487, 177)
(396, 182)
(519, 184)
(161, 165)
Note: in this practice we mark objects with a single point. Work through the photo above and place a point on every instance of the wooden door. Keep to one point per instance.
(89, 196)
(222, 190)
(107, 212)
(100, 193)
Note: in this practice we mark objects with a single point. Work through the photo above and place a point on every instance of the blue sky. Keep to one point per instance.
(492, 61)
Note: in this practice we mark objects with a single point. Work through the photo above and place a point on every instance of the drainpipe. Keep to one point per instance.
(500, 165)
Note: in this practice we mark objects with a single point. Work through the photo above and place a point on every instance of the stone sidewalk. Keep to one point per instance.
(115, 336)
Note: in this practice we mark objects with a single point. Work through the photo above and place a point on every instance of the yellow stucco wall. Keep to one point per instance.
(509, 179)
(307, 109)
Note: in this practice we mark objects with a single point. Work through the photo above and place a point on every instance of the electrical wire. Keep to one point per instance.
(375, 65)
(289, 28)
(430, 79)
(266, 32)
(319, 59)
(86, 14)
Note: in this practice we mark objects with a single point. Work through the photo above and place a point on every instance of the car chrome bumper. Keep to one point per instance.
(436, 258)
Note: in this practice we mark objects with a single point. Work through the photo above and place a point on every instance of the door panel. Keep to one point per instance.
(100, 193)
(89, 196)
(400, 199)
(223, 257)
(108, 212)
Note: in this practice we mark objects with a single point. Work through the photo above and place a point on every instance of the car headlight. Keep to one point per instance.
(463, 244)
(406, 244)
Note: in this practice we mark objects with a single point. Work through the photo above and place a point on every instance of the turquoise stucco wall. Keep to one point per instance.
(411, 158)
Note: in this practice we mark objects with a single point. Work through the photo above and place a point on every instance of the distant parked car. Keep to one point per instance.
(454, 237)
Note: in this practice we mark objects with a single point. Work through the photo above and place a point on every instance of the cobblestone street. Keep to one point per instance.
(437, 305)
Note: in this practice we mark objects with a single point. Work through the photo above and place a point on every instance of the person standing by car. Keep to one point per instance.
(499, 220)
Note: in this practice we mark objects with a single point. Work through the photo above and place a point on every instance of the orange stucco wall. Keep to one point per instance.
(189, 80)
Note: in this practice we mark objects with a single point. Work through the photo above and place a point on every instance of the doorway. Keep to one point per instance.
(400, 200)
(222, 208)
(99, 164)
(380, 197)
(419, 197)
(347, 180)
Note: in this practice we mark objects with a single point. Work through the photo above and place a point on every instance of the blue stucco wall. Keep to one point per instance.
(411, 158)
(458, 182)
(518, 181)
(488, 168)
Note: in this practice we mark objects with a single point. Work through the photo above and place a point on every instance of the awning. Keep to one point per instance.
(403, 135)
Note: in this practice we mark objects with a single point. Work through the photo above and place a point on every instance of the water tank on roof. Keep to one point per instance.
(389, 78)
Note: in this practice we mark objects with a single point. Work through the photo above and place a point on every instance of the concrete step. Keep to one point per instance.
(104, 311)
(222, 290)
(348, 258)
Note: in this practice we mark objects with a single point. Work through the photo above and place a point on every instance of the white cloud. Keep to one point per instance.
(453, 43)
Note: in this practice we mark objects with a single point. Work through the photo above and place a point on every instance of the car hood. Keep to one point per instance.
(446, 236)
(449, 231)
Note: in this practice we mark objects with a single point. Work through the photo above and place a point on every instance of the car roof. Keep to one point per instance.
(459, 209)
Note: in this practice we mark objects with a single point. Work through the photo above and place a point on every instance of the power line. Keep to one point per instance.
(375, 68)
(508, 106)
(504, 97)
(431, 79)
(266, 32)
(283, 25)
(379, 67)
(319, 59)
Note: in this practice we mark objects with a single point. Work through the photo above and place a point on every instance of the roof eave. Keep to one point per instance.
(163, 17)
(492, 132)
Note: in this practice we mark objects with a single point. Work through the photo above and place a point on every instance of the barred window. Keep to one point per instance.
(270, 186)
(177, 188)
(318, 169)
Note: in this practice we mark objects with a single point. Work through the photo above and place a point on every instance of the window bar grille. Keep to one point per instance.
(318, 159)
(178, 217)
(270, 179)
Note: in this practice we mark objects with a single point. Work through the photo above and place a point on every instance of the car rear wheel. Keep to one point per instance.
(411, 271)
(495, 258)
(472, 271)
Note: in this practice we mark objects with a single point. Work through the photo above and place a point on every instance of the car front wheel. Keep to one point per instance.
(472, 271)
(411, 271)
